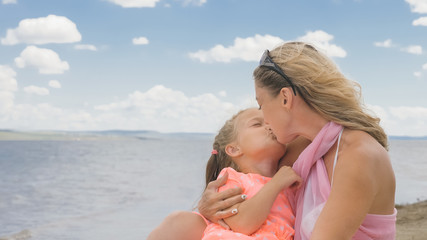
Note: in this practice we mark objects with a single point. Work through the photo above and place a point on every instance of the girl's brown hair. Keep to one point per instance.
(322, 86)
(226, 135)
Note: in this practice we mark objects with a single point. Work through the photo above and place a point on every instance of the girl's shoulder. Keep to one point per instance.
(231, 172)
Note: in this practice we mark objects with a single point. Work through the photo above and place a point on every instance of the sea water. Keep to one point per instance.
(122, 189)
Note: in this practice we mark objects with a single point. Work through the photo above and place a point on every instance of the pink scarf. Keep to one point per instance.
(311, 197)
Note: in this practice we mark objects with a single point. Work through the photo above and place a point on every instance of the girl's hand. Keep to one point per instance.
(287, 177)
(216, 205)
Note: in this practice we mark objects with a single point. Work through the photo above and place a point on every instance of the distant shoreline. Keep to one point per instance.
(407, 138)
(16, 135)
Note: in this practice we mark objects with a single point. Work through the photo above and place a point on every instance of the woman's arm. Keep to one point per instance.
(254, 211)
(216, 205)
(363, 178)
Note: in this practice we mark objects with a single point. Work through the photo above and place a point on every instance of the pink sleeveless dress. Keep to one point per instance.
(279, 223)
(310, 198)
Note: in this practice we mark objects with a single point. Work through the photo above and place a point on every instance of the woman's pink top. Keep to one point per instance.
(279, 223)
(311, 197)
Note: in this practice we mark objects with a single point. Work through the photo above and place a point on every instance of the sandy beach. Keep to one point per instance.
(412, 221)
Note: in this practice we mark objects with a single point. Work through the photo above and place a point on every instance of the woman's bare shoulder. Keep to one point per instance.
(370, 161)
(363, 146)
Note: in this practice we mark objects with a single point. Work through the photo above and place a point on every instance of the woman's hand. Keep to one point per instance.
(216, 205)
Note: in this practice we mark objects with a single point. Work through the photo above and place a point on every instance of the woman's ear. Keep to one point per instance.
(286, 97)
(233, 150)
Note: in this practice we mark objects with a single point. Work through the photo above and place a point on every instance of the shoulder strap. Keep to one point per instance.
(336, 156)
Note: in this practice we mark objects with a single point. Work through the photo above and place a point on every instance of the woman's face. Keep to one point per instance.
(274, 113)
(255, 138)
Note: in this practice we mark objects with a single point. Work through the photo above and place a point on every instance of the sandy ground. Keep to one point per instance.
(412, 221)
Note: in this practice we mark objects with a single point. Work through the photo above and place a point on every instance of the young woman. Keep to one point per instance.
(349, 181)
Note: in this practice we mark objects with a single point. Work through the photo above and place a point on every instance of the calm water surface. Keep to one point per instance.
(121, 189)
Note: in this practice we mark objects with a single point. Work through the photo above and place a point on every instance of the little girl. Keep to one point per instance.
(248, 152)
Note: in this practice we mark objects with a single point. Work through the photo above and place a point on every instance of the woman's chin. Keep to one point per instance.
(285, 140)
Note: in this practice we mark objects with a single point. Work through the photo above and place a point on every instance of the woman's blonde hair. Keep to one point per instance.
(322, 86)
(219, 160)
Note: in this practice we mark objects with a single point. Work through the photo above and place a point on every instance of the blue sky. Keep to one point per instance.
(186, 65)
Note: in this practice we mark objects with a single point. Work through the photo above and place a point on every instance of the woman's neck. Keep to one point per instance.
(310, 122)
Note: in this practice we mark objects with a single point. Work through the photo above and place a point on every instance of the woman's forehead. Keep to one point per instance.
(260, 93)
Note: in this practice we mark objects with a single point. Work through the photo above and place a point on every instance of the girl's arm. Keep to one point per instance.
(179, 225)
(253, 212)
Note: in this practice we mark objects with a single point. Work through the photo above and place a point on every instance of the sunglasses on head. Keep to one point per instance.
(267, 62)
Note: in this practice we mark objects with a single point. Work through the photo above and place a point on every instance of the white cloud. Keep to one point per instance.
(140, 41)
(222, 93)
(418, 6)
(85, 47)
(251, 48)
(33, 117)
(135, 3)
(413, 49)
(403, 121)
(418, 74)
(54, 84)
(422, 21)
(159, 108)
(50, 29)
(7, 79)
(386, 44)
(48, 117)
(246, 49)
(425, 66)
(6, 103)
(405, 113)
(8, 86)
(321, 40)
(165, 109)
(9, 2)
(195, 2)
(36, 90)
(46, 60)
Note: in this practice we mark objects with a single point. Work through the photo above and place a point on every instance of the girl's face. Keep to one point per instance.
(255, 138)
